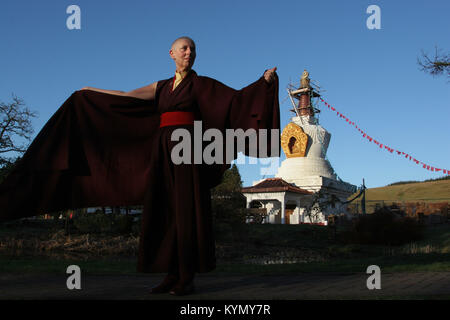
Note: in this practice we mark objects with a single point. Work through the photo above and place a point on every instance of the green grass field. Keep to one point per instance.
(404, 263)
(259, 249)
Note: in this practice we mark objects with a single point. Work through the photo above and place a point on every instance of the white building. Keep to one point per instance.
(284, 203)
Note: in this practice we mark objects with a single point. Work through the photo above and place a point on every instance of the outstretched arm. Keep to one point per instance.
(146, 93)
(115, 92)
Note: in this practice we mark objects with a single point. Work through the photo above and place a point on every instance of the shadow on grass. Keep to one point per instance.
(406, 263)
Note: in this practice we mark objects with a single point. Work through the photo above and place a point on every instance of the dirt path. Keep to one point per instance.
(427, 285)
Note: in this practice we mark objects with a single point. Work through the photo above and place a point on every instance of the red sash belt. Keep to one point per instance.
(176, 118)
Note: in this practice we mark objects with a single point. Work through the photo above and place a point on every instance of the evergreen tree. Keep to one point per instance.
(6, 166)
(228, 202)
(231, 182)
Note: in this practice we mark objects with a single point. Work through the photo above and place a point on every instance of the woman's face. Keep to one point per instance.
(183, 53)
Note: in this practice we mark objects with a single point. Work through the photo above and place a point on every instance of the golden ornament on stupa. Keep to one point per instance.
(294, 141)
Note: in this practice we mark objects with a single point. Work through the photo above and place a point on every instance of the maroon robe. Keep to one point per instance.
(106, 150)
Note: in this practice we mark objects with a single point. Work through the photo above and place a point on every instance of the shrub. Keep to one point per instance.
(383, 227)
(100, 222)
(229, 208)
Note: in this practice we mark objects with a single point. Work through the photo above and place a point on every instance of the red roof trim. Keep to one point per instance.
(274, 185)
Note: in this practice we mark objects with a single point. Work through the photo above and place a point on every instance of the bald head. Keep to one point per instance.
(182, 38)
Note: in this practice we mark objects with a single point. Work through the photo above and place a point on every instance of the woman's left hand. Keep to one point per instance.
(269, 75)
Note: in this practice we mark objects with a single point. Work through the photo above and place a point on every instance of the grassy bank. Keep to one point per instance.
(258, 249)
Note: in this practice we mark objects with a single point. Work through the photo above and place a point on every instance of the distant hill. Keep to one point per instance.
(446, 177)
(430, 191)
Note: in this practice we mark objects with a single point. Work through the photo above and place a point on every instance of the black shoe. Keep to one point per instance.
(182, 289)
(165, 286)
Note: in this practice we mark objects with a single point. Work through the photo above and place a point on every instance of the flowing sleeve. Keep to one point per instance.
(94, 151)
(253, 107)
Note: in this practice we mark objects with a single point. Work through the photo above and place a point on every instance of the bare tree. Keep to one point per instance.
(438, 65)
(320, 202)
(15, 122)
(314, 210)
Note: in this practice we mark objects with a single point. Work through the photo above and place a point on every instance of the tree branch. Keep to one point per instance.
(438, 65)
(15, 122)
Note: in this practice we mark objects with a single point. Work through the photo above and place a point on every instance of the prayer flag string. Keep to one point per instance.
(382, 145)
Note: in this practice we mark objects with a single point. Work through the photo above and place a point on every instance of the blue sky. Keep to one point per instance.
(371, 76)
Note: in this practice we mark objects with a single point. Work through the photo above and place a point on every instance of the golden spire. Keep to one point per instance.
(304, 80)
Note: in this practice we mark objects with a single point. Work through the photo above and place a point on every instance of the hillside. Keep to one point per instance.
(430, 191)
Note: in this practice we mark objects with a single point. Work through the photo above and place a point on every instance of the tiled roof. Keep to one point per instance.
(274, 185)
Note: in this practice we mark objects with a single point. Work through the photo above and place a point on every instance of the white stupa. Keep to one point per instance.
(305, 144)
(306, 168)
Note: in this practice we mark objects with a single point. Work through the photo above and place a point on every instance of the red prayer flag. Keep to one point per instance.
(391, 150)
